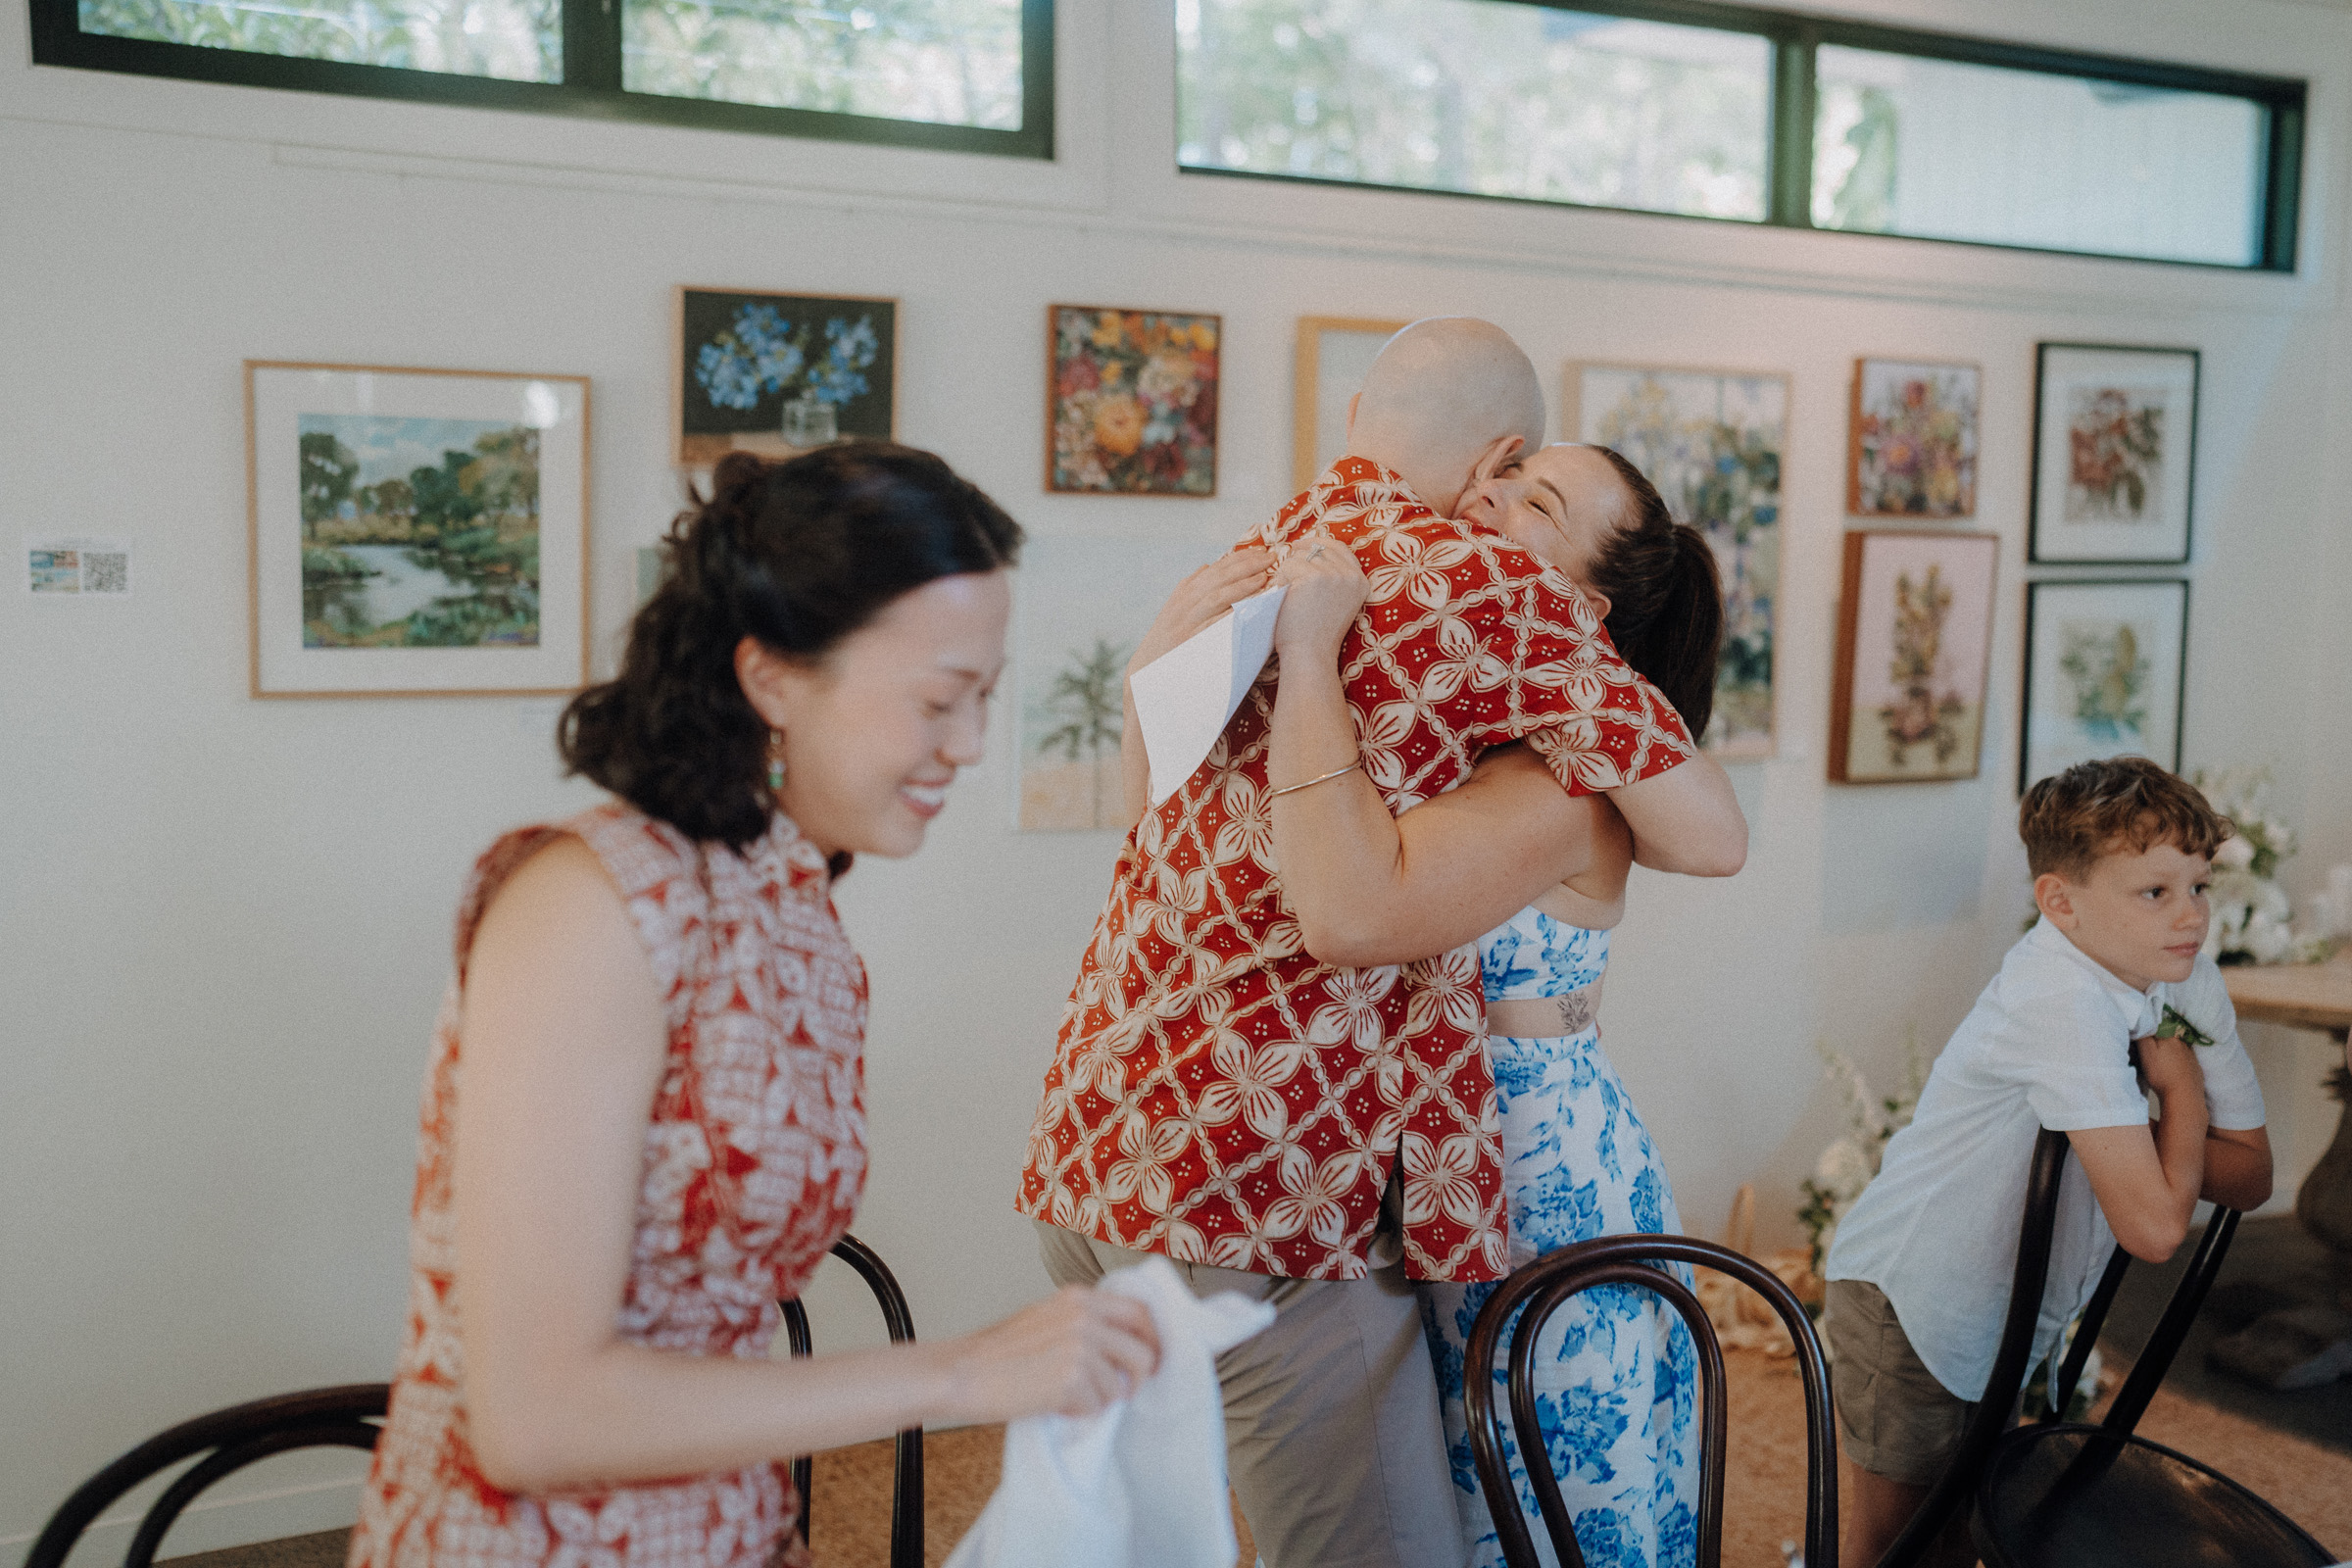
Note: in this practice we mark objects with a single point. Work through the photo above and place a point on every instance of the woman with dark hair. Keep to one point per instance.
(1615, 1369)
(657, 1128)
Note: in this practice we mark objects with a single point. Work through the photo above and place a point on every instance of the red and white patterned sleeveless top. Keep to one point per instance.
(755, 1158)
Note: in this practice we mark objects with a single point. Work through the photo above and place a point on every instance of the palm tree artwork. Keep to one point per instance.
(1086, 698)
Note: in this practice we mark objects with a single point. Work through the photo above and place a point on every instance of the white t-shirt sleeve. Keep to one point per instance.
(2233, 1093)
(2076, 1066)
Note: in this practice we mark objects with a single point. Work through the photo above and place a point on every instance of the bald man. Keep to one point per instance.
(1312, 1135)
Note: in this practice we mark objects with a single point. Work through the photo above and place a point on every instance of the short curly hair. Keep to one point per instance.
(2117, 804)
(797, 555)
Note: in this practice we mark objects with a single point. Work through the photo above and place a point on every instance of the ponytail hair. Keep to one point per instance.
(1665, 597)
(797, 555)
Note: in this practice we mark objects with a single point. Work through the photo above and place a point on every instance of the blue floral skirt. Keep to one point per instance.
(1616, 1374)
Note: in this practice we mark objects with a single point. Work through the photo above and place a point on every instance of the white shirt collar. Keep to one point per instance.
(2140, 1010)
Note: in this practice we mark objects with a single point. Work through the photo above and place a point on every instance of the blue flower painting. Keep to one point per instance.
(753, 364)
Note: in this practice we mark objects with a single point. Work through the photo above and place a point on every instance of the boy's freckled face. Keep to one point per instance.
(2143, 914)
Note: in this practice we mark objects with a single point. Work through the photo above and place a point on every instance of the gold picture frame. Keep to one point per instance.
(1314, 394)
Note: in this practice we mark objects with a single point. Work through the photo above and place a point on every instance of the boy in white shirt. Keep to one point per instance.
(2109, 980)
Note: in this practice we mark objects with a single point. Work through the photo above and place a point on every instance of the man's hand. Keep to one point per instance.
(1200, 598)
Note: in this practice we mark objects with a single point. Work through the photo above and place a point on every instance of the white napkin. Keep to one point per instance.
(1185, 696)
(1142, 1484)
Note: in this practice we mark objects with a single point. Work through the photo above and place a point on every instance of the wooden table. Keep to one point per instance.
(2310, 1342)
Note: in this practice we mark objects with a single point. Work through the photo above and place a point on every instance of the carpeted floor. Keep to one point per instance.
(2300, 1471)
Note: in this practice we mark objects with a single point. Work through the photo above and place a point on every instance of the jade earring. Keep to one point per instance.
(776, 762)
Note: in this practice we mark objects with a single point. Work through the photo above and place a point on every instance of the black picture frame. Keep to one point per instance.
(2043, 488)
(2038, 620)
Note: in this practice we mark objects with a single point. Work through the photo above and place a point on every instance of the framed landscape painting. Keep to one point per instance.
(1131, 401)
(1334, 352)
(1912, 441)
(2106, 665)
(2114, 454)
(1084, 602)
(1713, 443)
(416, 532)
(1914, 652)
(775, 374)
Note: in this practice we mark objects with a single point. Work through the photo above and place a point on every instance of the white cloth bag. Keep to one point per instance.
(1142, 1484)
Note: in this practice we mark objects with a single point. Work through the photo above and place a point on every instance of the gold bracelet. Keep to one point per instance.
(1292, 789)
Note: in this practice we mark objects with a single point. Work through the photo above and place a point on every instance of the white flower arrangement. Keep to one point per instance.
(2252, 919)
(1850, 1162)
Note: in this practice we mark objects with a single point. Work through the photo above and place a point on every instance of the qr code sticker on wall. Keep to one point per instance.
(76, 566)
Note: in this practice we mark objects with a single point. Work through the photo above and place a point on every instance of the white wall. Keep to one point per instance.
(222, 922)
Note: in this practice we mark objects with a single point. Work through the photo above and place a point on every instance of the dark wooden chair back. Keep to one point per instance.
(906, 1495)
(1959, 1485)
(1541, 1287)
(228, 1439)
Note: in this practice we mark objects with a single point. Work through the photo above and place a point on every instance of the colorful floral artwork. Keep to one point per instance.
(781, 374)
(1914, 443)
(2114, 454)
(1711, 442)
(2104, 663)
(1132, 404)
(1914, 647)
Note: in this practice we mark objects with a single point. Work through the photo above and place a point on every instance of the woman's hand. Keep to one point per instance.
(1200, 598)
(1072, 1354)
(1327, 589)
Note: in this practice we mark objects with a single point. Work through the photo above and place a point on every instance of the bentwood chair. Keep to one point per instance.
(1542, 1288)
(2058, 1492)
(906, 1495)
(228, 1439)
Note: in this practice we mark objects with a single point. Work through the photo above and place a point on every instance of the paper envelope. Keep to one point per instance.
(1185, 696)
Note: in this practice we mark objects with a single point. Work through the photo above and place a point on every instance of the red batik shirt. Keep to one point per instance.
(1220, 1097)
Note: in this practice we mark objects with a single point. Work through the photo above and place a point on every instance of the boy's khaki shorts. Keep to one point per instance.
(1894, 1419)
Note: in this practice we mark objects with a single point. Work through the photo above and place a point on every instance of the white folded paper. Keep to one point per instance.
(1185, 696)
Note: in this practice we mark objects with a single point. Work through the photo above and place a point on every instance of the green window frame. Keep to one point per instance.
(591, 87)
(1796, 36)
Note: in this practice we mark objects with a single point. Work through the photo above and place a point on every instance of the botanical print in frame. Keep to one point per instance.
(776, 374)
(2115, 439)
(1713, 443)
(1912, 440)
(1914, 653)
(1084, 602)
(2106, 665)
(1131, 401)
(416, 532)
(1333, 354)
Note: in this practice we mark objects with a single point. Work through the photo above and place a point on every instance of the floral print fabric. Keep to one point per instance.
(755, 1158)
(1616, 1373)
(1218, 1095)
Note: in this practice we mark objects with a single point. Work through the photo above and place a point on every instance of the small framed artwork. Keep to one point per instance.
(1131, 401)
(2114, 455)
(1912, 440)
(2106, 665)
(776, 374)
(1914, 653)
(1714, 441)
(1334, 353)
(416, 533)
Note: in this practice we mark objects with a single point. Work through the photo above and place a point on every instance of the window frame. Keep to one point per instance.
(1794, 36)
(591, 86)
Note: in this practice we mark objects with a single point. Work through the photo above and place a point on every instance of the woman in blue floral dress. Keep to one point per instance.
(1616, 1372)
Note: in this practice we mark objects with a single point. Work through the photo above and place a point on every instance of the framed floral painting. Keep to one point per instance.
(2106, 667)
(1912, 441)
(1131, 401)
(1914, 653)
(777, 374)
(1334, 353)
(1714, 444)
(2114, 455)
(416, 533)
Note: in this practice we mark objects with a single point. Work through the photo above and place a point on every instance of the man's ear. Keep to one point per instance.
(2056, 902)
(1497, 456)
